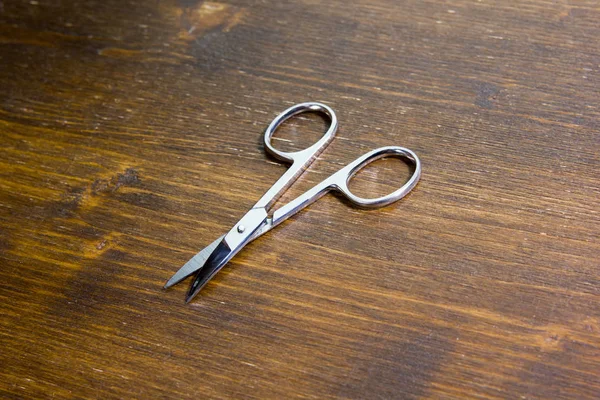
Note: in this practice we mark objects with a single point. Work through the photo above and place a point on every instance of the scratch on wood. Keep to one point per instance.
(206, 16)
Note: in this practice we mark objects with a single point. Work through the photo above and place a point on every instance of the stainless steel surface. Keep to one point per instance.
(256, 221)
(339, 181)
(193, 265)
(300, 160)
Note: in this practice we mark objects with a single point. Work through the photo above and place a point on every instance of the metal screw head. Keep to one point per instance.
(241, 228)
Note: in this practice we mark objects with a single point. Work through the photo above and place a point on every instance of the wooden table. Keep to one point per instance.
(131, 138)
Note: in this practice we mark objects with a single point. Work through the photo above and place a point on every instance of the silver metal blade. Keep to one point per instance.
(215, 262)
(194, 264)
(240, 235)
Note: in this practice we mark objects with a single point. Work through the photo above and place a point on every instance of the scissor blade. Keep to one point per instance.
(217, 260)
(194, 264)
(246, 230)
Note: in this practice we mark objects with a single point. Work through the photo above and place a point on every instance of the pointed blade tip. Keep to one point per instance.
(174, 280)
(189, 297)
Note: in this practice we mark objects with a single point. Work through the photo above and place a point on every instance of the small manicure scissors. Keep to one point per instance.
(257, 221)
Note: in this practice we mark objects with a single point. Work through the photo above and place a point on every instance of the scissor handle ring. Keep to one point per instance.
(316, 148)
(343, 177)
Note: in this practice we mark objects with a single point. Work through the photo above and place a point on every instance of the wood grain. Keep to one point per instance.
(131, 138)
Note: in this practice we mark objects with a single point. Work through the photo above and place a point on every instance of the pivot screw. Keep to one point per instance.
(241, 228)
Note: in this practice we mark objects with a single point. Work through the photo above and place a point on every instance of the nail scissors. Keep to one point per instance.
(257, 221)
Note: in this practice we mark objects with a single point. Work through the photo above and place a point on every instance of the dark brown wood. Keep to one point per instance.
(131, 138)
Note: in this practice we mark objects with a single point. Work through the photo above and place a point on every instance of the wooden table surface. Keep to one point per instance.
(131, 138)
